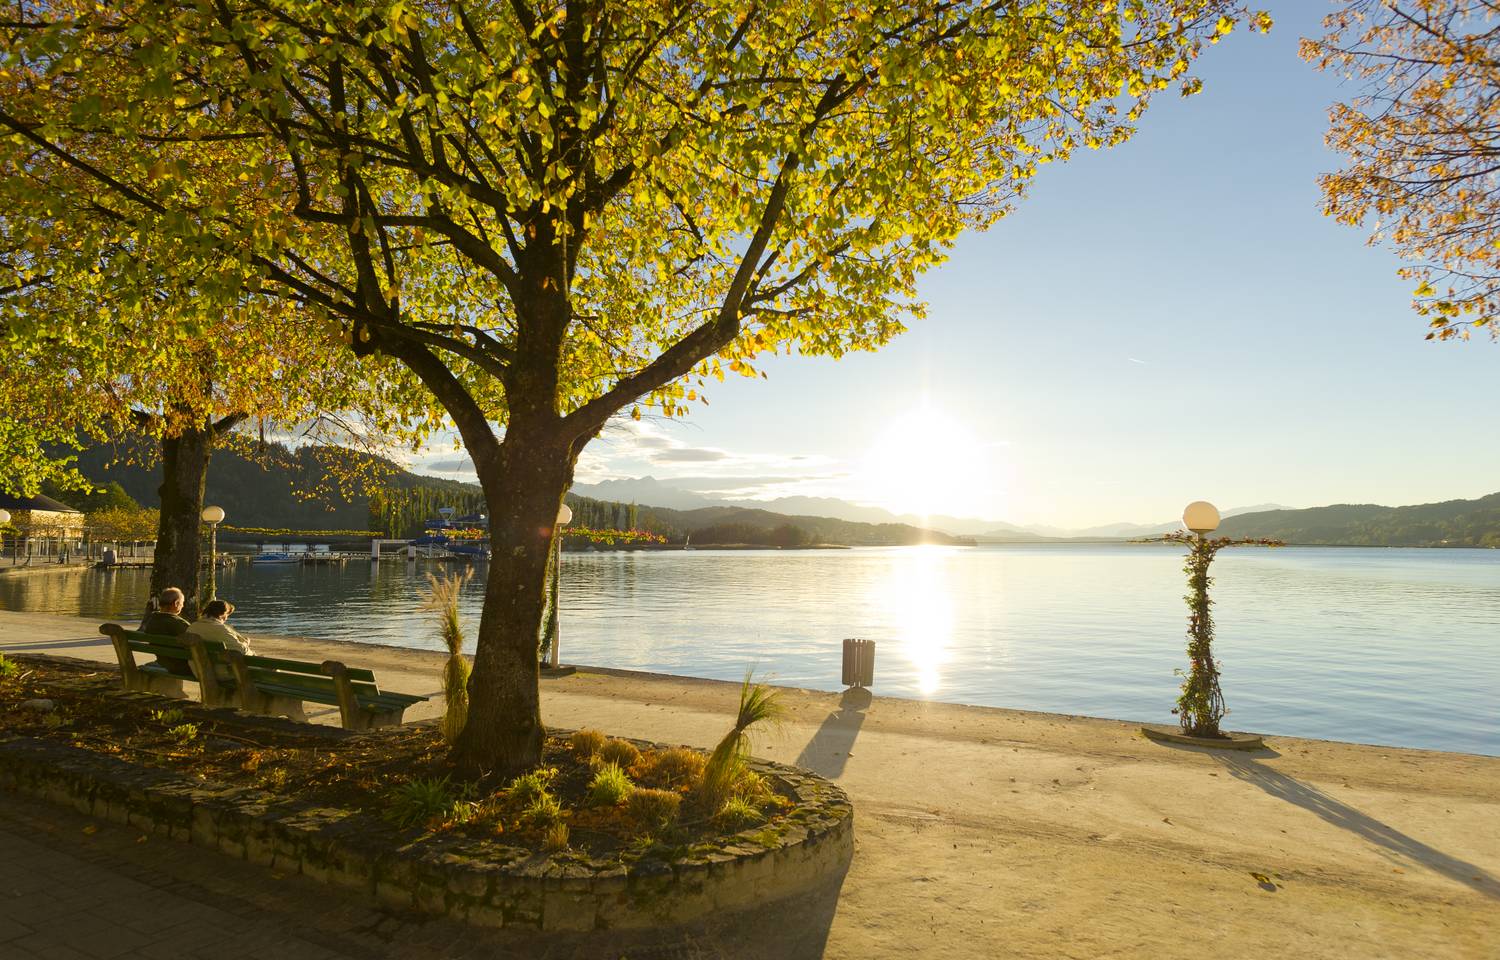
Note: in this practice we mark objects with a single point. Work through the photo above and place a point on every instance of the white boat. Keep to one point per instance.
(276, 558)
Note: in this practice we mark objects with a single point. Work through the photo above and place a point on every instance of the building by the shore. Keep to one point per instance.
(41, 528)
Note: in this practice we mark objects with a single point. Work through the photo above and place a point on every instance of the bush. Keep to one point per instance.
(8, 668)
(676, 767)
(736, 813)
(170, 717)
(420, 801)
(609, 786)
(529, 788)
(586, 743)
(183, 733)
(622, 753)
(544, 812)
(653, 809)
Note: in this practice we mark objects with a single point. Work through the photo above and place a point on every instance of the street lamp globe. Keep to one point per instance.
(213, 514)
(1200, 516)
(564, 514)
(4, 517)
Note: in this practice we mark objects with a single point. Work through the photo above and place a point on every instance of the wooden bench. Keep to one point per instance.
(276, 687)
(156, 678)
(262, 685)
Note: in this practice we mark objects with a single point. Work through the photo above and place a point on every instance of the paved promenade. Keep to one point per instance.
(980, 833)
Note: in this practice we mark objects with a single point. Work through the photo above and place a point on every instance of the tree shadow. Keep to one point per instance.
(827, 752)
(1392, 842)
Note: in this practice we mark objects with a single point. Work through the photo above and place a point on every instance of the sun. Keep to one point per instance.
(924, 463)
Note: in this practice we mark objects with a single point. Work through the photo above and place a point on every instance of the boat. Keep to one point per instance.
(276, 558)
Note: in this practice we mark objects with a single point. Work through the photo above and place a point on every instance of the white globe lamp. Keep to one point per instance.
(1201, 517)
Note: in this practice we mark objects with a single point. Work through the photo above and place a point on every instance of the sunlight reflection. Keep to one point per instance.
(918, 604)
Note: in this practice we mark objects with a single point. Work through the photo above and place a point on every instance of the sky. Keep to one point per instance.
(1170, 320)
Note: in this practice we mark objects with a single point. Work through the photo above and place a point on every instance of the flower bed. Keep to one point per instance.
(382, 811)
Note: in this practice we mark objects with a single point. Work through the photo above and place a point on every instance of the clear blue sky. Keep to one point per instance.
(1170, 320)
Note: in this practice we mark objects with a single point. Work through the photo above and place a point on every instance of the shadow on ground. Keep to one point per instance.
(1392, 842)
(827, 752)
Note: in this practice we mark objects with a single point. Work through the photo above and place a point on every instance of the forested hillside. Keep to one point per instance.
(281, 488)
(1452, 523)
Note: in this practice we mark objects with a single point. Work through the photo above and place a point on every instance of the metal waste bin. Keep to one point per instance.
(859, 663)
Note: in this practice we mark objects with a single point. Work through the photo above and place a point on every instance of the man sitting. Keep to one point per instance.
(166, 621)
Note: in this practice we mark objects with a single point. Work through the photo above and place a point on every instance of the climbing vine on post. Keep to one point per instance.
(1200, 706)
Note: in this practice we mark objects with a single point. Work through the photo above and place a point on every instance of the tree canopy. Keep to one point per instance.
(554, 212)
(1423, 141)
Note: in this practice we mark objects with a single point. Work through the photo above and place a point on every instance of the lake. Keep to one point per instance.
(1392, 646)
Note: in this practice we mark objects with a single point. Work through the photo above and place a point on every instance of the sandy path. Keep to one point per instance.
(985, 832)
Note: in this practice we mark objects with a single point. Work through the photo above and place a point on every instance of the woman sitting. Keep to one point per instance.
(211, 626)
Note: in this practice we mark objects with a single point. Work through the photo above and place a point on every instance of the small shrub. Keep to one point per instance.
(275, 779)
(622, 753)
(610, 786)
(543, 812)
(586, 743)
(8, 668)
(750, 785)
(737, 813)
(677, 767)
(653, 809)
(420, 801)
(528, 788)
(183, 733)
(557, 838)
(170, 717)
(54, 720)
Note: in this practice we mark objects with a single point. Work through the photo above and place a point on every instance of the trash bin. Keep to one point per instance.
(859, 663)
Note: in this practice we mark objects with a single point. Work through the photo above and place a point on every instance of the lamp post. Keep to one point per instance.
(213, 516)
(564, 515)
(5, 519)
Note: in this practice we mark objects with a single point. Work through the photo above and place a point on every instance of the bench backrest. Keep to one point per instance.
(158, 645)
(308, 676)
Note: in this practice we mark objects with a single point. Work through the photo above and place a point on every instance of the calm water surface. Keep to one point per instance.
(1385, 646)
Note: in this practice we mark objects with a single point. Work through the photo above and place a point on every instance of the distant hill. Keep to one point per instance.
(271, 491)
(1452, 523)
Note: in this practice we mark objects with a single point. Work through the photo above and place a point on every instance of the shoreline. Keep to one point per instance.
(982, 831)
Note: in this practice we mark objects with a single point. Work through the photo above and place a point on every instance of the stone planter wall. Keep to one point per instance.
(481, 882)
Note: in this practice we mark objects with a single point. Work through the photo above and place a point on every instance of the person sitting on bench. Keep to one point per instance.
(166, 621)
(211, 626)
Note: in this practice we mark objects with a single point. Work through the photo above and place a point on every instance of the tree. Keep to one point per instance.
(556, 212)
(1423, 142)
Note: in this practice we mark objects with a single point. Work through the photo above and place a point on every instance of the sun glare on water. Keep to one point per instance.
(924, 463)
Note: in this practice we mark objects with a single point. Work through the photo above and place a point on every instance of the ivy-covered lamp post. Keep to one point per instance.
(4, 521)
(212, 516)
(1200, 707)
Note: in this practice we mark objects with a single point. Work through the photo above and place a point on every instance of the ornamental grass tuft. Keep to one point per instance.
(610, 786)
(586, 743)
(528, 788)
(653, 809)
(675, 767)
(736, 813)
(622, 753)
(759, 706)
(556, 838)
(544, 812)
(421, 801)
(445, 590)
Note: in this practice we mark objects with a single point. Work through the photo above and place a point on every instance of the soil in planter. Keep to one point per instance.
(399, 776)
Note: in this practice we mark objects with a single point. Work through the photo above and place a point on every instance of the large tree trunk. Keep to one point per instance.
(179, 546)
(523, 490)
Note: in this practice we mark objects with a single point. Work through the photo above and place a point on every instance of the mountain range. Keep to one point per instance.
(649, 491)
